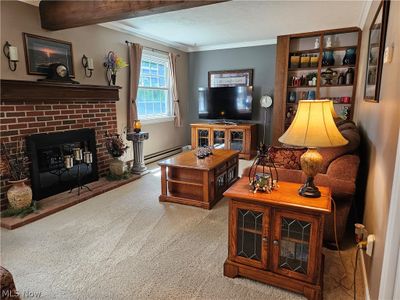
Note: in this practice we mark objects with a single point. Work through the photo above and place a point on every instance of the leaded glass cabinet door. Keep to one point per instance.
(203, 137)
(295, 244)
(237, 140)
(249, 234)
(219, 139)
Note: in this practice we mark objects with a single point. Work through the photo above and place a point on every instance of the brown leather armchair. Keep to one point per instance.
(339, 172)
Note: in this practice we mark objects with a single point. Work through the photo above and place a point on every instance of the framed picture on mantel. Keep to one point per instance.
(41, 52)
(230, 78)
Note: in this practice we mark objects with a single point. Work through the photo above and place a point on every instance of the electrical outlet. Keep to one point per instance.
(370, 244)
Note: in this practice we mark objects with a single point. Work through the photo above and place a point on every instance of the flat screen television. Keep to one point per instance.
(229, 103)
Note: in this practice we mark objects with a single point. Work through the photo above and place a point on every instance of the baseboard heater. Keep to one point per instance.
(162, 154)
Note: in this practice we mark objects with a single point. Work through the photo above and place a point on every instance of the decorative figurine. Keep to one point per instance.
(328, 42)
(263, 181)
(316, 44)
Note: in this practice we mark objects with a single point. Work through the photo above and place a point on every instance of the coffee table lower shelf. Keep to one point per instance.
(187, 180)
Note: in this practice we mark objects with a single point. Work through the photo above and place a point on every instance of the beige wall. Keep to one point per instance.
(379, 123)
(94, 41)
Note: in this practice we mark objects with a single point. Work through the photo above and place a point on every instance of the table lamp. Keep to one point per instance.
(313, 126)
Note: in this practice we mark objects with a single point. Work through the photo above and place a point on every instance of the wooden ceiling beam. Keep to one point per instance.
(57, 15)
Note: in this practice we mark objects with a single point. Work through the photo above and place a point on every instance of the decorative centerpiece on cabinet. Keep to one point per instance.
(334, 63)
(240, 137)
(276, 238)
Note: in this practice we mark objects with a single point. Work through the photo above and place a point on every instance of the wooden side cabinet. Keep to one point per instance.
(241, 137)
(277, 238)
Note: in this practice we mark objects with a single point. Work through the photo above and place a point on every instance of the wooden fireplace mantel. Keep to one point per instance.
(21, 90)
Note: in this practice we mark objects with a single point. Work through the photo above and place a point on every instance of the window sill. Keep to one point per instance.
(156, 120)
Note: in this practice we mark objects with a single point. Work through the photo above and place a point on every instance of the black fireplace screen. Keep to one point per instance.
(50, 172)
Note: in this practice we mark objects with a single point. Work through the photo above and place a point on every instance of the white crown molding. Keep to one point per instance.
(133, 31)
(233, 45)
(186, 48)
(364, 13)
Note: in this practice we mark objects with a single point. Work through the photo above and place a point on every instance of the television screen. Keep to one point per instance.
(230, 103)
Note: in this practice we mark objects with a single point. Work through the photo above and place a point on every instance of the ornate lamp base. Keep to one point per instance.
(311, 162)
(309, 189)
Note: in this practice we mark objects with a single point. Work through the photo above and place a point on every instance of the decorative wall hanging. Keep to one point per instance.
(41, 52)
(112, 64)
(230, 78)
(376, 48)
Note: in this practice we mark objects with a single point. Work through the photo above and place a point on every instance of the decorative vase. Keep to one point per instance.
(292, 97)
(349, 57)
(19, 195)
(311, 95)
(349, 76)
(117, 167)
(113, 78)
(328, 59)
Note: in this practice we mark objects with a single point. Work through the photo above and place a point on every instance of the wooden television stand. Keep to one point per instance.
(241, 137)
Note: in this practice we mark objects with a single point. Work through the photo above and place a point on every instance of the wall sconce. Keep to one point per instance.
(11, 52)
(87, 63)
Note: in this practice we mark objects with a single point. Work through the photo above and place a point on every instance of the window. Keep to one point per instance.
(154, 100)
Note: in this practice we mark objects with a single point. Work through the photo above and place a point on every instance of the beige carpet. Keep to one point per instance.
(124, 244)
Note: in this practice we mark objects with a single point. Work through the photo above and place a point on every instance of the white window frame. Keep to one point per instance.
(161, 58)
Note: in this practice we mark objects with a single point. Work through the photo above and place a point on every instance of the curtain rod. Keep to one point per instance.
(152, 49)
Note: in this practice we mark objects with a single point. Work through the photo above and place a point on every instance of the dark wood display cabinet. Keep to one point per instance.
(277, 238)
(240, 137)
(315, 65)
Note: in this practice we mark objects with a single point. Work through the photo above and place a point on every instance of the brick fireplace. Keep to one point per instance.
(21, 118)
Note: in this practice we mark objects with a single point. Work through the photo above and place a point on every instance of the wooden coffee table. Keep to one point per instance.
(186, 179)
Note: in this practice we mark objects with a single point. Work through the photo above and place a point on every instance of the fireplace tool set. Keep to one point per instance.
(79, 156)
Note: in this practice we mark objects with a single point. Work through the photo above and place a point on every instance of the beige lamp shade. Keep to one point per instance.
(313, 126)
(333, 111)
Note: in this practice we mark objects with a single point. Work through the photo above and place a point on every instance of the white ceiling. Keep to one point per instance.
(243, 23)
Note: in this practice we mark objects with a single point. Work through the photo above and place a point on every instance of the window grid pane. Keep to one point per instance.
(153, 92)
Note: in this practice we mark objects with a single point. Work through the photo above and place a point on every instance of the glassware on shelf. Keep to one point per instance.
(349, 57)
(341, 79)
(311, 95)
(292, 97)
(328, 59)
(314, 61)
(328, 75)
(349, 76)
(294, 61)
(304, 61)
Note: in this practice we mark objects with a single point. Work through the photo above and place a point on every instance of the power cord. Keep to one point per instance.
(360, 246)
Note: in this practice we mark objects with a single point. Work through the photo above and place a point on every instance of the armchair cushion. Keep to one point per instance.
(287, 157)
(350, 133)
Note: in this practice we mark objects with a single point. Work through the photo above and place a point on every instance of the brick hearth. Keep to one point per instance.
(22, 118)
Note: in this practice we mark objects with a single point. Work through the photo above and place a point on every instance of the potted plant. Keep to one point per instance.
(19, 195)
(113, 63)
(116, 148)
